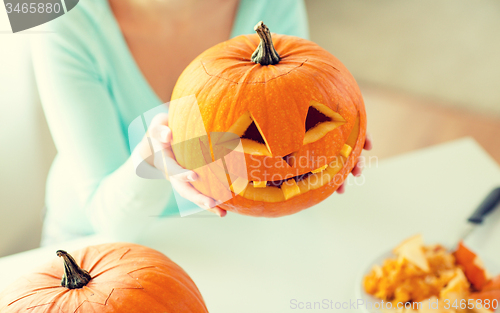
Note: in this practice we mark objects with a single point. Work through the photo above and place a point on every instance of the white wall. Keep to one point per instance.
(445, 49)
(26, 148)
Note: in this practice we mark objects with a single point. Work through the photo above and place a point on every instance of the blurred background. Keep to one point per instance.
(429, 71)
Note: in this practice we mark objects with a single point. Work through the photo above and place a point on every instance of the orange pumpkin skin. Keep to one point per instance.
(227, 85)
(491, 292)
(125, 278)
(493, 284)
(489, 295)
(473, 270)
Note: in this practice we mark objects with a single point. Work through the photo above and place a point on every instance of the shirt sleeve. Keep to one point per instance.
(287, 17)
(89, 136)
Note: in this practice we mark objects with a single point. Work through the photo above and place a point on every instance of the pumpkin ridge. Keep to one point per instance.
(251, 82)
(46, 274)
(324, 63)
(228, 68)
(140, 269)
(244, 78)
(103, 304)
(104, 295)
(103, 272)
(279, 76)
(86, 300)
(77, 308)
(99, 259)
(128, 250)
(249, 40)
(40, 305)
(46, 288)
(53, 301)
(21, 298)
(136, 284)
(215, 76)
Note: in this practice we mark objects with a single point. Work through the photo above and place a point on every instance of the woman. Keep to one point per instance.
(108, 62)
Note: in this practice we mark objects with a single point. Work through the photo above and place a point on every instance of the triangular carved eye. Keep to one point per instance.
(253, 133)
(319, 121)
(314, 117)
(252, 140)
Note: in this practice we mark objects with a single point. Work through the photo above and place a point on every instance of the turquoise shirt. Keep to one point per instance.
(91, 90)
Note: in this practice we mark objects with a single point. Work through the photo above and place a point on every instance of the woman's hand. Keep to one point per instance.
(159, 139)
(356, 171)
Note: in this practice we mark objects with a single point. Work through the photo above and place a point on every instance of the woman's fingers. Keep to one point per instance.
(356, 171)
(160, 119)
(165, 135)
(160, 141)
(218, 211)
(159, 132)
(341, 189)
(368, 142)
(166, 163)
(186, 190)
(186, 176)
(162, 134)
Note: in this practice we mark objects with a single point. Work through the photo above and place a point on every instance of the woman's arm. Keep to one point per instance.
(89, 137)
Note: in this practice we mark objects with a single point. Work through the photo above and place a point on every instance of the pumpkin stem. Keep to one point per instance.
(265, 54)
(74, 277)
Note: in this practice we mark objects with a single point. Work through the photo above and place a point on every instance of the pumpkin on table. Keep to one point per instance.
(113, 277)
(296, 110)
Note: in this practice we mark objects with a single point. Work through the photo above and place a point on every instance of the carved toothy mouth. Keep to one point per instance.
(281, 190)
(278, 183)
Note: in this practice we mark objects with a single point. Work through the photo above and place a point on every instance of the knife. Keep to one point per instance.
(486, 207)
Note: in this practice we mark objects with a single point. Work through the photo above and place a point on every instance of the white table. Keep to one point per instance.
(244, 264)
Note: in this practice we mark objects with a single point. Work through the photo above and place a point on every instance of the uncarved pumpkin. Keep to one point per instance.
(114, 277)
(295, 110)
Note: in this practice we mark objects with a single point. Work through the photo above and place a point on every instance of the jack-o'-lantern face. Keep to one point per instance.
(300, 119)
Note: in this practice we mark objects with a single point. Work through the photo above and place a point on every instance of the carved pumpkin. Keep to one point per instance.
(296, 110)
(118, 278)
